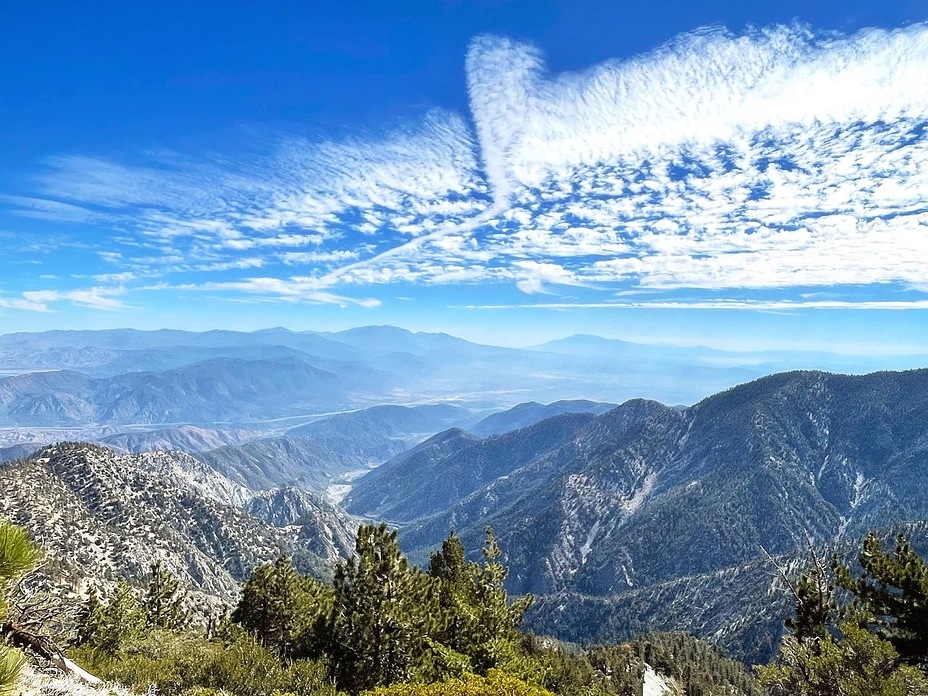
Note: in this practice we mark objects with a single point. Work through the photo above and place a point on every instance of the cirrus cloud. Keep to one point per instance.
(773, 160)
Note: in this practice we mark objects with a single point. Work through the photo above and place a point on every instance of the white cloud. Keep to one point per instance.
(775, 159)
(534, 277)
(295, 290)
(91, 298)
(317, 257)
(704, 88)
(115, 278)
(22, 304)
(54, 211)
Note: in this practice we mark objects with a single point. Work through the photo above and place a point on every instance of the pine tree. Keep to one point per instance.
(383, 614)
(494, 630)
(859, 664)
(821, 659)
(89, 618)
(270, 605)
(478, 619)
(164, 601)
(891, 597)
(449, 565)
(112, 626)
(816, 605)
(452, 573)
(18, 555)
(286, 612)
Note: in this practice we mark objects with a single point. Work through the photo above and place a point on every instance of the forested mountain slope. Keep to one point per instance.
(670, 492)
(646, 502)
(529, 413)
(451, 465)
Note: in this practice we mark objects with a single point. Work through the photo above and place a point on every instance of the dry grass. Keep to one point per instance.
(34, 682)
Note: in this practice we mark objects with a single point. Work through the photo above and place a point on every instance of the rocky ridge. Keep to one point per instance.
(105, 515)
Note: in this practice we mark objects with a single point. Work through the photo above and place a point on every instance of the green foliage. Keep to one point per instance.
(478, 619)
(11, 663)
(493, 631)
(571, 672)
(859, 664)
(89, 619)
(284, 611)
(268, 606)
(495, 683)
(449, 566)
(111, 627)
(700, 668)
(382, 625)
(164, 601)
(383, 614)
(383, 621)
(619, 666)
(891, 597)
(816, 605)
(18, 555)
(821, 659)
(188, 663)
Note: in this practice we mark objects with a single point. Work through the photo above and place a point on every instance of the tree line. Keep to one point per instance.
(383, 626)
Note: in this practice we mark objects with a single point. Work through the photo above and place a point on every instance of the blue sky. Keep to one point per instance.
(724, 173)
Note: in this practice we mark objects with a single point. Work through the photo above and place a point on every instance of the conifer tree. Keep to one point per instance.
(479, 621)
(453, 575)
(891, 597)
(164, 601)
(312, 638)
(822, 659)
(449, 565)
(89, 618)
(269, 606)
(815, 601)
(383, 614)
(18, 555)
(112, 625)
(859, 664)
(494, 630)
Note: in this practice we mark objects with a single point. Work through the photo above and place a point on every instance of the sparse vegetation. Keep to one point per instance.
(383, 627)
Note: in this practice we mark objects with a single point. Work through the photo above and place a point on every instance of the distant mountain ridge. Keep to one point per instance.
(122, 377)
(451, 465)
(224, 389)
(184, 438)
(646, 495)
(374, 435)
(526, 414)
(280, 461)
(19, 451)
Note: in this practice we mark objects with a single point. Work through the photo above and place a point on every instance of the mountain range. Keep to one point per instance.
(646, 495)
(619, 518)
(182, 438)
(123, 378)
